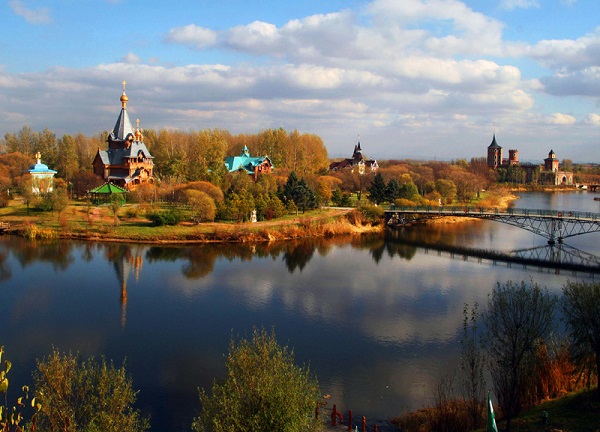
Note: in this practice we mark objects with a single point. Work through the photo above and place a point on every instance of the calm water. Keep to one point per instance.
(378, 321)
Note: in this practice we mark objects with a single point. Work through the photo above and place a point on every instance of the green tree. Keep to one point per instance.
(581, 311)
(115, 203)
(447, 189)
(59, 200)
(85, 395)
(409, 191)
(304, 197)
(340, 199)
(517, 319)
(290, 185)
(264, 391)
(392, 190)
(68, 162)
(377, 189)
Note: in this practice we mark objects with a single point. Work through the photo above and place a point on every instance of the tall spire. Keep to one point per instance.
(124, 97)
(123, 125)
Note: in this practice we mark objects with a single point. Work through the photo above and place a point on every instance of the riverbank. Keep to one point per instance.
(80, 221)
(574, 412)
(83, 221)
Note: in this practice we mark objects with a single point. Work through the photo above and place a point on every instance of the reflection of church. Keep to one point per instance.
(547, 174)
(126, 260)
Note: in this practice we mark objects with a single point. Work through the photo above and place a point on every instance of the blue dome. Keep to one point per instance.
(40, 168)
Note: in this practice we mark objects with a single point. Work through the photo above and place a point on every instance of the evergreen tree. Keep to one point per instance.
(392, 190)
(377, 189)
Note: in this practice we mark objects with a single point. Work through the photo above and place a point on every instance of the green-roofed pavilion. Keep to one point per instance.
(104, 193)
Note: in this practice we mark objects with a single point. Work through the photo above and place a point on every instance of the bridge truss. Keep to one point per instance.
(553, 225)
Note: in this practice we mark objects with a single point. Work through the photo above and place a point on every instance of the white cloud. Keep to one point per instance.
(193, 35)
(560, 119)
(567, 54)
(457, 24)
(593, 119)
(398, 69)
(519, 4)
(32, 16)
(131, 58)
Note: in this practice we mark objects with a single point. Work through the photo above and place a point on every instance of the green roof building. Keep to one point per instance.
(252, 165)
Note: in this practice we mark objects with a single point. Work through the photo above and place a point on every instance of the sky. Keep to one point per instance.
(418, 79)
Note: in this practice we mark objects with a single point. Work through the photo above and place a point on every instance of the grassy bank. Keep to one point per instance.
(80, 220)
(575, 412)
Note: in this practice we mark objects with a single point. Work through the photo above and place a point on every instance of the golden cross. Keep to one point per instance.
(124, 84)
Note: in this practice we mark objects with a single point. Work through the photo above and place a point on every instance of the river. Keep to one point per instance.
(377, 320)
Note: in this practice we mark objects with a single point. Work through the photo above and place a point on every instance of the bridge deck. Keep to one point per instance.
(483, 212)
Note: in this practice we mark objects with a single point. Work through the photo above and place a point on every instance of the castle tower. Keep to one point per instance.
(551, 162)
(513, 157)
(494, 154)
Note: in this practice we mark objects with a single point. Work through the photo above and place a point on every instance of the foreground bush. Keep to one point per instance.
(85, 396)
(264, 391)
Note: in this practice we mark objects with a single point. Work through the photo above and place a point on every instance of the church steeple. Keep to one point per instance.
(123, 126)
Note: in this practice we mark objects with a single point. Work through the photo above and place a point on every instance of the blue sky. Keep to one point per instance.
(422, 79)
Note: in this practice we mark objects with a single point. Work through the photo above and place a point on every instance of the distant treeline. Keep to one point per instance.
(179, 156)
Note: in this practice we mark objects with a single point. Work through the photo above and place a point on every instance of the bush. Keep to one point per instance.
(166, 217)
(372, 213)
(264, 391)
(85, 395)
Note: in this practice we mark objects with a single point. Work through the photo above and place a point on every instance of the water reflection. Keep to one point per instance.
(377, 319)
(126, 260)
(556, 257)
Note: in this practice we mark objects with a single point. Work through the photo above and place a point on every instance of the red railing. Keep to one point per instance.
(338, 418)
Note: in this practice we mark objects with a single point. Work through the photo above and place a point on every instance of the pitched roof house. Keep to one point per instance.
(127, 161)
(357, 160)
(252, 165)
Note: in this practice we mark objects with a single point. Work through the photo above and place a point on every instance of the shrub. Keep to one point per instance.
(165, 217)
(85, 395)
(372, 213)
(264, 391)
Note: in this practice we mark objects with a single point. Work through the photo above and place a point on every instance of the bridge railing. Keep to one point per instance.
(478, 210)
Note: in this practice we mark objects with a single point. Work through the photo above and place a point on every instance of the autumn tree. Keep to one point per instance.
(203, 206)
(23, 142)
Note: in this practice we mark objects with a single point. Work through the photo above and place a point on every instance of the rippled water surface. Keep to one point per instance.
(377, 320)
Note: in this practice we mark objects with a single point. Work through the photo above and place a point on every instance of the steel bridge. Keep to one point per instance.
(554, 225)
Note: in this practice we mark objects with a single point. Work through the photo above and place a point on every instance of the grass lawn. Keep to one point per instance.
(81, 219)
(576, 412)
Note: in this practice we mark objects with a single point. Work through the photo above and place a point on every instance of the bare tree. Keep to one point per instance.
(518, 317)
(581, 311)
(472, 367)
